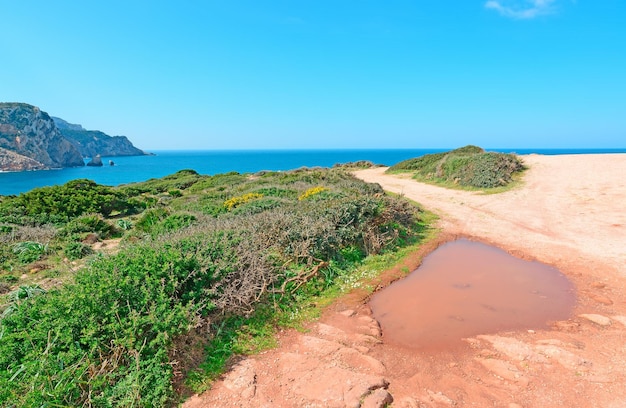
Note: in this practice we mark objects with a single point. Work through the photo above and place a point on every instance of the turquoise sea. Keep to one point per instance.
(140, 168)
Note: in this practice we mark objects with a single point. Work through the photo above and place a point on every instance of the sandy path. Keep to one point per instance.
(567, 203)
(570, 213)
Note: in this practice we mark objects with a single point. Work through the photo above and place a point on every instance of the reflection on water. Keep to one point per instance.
(466, 288)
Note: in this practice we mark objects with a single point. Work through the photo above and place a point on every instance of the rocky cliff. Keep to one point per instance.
(93, 142)
(30, 133)
(11, 161)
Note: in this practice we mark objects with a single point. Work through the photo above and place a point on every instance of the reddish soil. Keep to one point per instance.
(569, 213)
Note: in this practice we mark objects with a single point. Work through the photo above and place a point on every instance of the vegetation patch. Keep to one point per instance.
(234, 202)
(62, 203)
(191, 271)
(469, 166)
(311, 192)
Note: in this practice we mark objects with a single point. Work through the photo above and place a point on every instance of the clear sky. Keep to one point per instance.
(229, 74)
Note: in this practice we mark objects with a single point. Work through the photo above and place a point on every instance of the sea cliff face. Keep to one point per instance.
(91, 143)
(11, 161)
(30, 133)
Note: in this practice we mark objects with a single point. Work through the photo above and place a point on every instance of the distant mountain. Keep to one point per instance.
(30, 140)
(93, 142)
(63, 125)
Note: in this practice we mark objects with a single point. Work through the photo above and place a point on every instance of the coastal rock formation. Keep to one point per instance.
(31, 134)
(93, 142)
(96, 161)
(11, 161)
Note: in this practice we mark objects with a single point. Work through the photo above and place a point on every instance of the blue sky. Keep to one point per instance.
(288, 74)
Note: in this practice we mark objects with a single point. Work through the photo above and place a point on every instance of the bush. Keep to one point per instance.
(258, 206)
(150, 218)
(490, 170)
(234, 202)
(9, 278)
(58, 204)
(29, 251)
(312, 192)
(468, 166)
(176, 222)
(104, 340)
(77, 250)
(124, 225)
(92, 223)
(172, 184)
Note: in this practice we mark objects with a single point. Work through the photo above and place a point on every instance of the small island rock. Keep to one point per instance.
(95, 161)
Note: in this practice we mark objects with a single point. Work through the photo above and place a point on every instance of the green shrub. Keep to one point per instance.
(58, 204)
(180, 180)
(490, 170)
(214, 209)
(9, 278)
(225, 180)
(91, 223)
(124, 224)
(176, 222)
(468, 166)
(29, 251)
(104, 340)
(275, 191)
(77, 250)
(258, 206)
(150, 218)
(20, 295)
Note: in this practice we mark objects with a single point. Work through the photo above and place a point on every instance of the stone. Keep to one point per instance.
(514, 349)
(242, 379)
(320, 346)
(503, 369)
(601, 299)
(355, 359)
(596, 318)
(348, 313)
(440, 398)
(96, 161)
(380, 398)
(566, 358)
(621, 319)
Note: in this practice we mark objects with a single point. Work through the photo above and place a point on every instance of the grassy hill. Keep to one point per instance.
(469, 166)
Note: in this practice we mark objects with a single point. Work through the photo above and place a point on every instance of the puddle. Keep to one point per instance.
(466, 288)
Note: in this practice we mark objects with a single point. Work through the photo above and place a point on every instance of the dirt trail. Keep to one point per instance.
(569, 213)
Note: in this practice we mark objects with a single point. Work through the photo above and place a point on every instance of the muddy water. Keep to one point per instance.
(465, 288)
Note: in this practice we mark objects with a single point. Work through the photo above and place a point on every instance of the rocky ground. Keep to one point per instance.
(568, 213)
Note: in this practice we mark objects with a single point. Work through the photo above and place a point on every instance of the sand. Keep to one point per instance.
(569, 207)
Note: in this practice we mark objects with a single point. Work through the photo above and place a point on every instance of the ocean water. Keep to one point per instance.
(141, 168)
